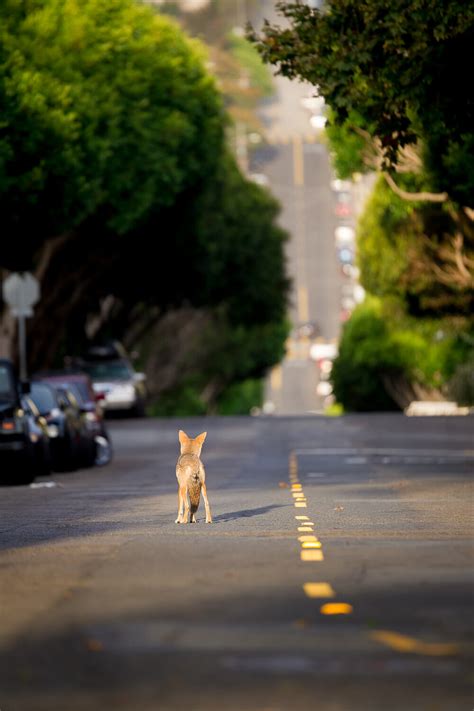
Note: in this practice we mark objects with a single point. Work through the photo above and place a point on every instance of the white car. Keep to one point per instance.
(117, 385)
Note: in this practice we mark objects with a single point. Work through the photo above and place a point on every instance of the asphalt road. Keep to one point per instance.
(106, 603)
(295, 161)
(299, 174)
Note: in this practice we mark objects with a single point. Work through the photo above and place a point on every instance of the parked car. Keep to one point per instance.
(92, 412)
(63, 423)
(86, 434)
(38, 436)
(117, 384)
(18, 456)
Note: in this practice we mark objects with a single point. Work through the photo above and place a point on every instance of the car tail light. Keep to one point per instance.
(8, 425)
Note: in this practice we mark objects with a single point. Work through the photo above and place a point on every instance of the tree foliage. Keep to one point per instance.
(397, 65)
(116, 187)
(387, 359)
(106, 109)
(407, 250)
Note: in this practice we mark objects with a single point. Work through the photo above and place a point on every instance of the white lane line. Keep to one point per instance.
(369, 451)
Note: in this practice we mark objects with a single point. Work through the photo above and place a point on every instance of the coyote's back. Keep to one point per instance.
(191, 477)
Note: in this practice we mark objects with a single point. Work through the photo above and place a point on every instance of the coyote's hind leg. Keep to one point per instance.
(206, 504)
(181, 491)
(185, 518)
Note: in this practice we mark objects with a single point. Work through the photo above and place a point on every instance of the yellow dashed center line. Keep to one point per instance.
(311, 555)
(336, 608)
(402, 643)
(312, 545)
(318, 590)
(311, 548)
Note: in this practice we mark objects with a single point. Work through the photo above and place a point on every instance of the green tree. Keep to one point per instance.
(117, 189)
(367, 357)
(407, 250)
(107, 110)
(397, 66)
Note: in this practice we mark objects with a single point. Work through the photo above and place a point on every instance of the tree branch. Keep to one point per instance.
(49, 249)
(409, 162)
(406, 195)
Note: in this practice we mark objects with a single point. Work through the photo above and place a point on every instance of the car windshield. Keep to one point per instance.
(43, 397)
(108, 371)
(82, 391)
(7, 387)
(77, 390)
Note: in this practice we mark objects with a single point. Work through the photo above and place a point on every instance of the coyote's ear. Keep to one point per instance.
(183, 437)
(200, 438)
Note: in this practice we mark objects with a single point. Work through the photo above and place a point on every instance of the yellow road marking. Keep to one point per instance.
(303, 304)
(318, 590)
(305, 539)
(336, 608)
(312, 544)
(298, 165)
(301, 518)
(276, 378)
(301, 529)
(296, 486)
(311, 555)
(300, 505)
(402, 643)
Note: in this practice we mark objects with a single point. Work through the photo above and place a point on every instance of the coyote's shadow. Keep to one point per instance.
(245, 513)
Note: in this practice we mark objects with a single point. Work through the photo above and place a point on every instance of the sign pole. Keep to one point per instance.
(22, 347)
(21, 290)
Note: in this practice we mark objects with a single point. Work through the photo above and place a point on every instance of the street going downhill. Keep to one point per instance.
(335, 574)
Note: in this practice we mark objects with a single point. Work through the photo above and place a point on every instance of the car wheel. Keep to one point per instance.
(139, 409)
(45, 463)
(68, 458)
(26, 472)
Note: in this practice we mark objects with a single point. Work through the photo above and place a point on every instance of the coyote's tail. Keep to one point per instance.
(194, 490)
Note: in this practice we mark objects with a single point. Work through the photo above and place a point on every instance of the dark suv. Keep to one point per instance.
(18, 458)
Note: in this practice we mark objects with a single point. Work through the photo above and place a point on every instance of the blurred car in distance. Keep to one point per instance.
(92, 413)
(344, 235)
(18, 463)
(260, 179)
(324, 388)
(345, 255)
(342, 210)
(63, 423)
(307, 329)
(117, 384)
(323, 351)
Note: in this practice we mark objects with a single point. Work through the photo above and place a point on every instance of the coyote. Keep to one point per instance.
(191, 478)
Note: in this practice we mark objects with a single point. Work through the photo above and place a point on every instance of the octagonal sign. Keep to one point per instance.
(21, 292)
